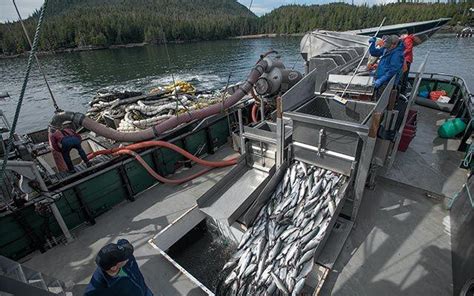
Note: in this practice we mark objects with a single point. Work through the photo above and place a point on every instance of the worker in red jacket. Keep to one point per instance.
(408, 41)
(64, 140)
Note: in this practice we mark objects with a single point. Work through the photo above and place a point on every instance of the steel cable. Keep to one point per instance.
(31, 56)
(55, 104)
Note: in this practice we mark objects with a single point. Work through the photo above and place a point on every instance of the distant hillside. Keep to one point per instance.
(339, 16)
(81, 23)
(76, 23)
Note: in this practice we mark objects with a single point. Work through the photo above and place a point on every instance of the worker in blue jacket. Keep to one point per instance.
(117, 273)
(391, 60)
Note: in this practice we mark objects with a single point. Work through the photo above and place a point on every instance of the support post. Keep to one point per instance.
(209, 141)
(84, 208)
(54, 208)
(126, 182)
(241, 132)
(365, 160)
(280, 131)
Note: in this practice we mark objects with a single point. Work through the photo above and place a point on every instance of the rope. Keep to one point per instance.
(230, 72)
(306, 42)
(172, 75)
(468, 158)
(34, 47)
(37, 60)
(223, 98)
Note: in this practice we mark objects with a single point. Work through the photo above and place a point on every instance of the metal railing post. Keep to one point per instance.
(54, 208)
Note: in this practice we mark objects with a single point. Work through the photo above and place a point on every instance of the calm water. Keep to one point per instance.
(75, 77)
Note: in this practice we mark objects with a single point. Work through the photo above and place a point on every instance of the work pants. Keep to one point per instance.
(404, 79)
(68, 143)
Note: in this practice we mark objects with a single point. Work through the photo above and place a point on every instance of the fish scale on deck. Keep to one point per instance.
(276, 254)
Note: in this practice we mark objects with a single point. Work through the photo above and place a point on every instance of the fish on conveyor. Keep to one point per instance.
(279, 284)
(298, 287)
(276, 254)
(292, 175)
(245, 238)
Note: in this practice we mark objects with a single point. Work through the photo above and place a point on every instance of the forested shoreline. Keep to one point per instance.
(91, 24)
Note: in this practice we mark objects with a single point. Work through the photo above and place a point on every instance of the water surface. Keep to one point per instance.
(75, 77)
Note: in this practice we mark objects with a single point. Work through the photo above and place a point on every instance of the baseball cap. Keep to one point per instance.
(112, 254)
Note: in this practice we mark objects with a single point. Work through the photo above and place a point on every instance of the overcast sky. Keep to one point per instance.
(259, 7)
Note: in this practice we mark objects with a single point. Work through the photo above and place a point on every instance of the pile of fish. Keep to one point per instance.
(276, 254)
(132, 111)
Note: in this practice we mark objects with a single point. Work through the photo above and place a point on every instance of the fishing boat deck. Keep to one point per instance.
(399, 246)
(430, 163)
(401, 243)
(138, 222)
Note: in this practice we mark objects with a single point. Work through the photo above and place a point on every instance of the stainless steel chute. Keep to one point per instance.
(338, 137)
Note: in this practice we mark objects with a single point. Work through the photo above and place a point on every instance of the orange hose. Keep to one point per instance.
(148, 144)
(254, 113)
(155, 174)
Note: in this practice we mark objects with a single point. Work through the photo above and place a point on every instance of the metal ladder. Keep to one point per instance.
(17, 279)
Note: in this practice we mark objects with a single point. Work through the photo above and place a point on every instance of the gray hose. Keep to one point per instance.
(150, 133)
(60, 117)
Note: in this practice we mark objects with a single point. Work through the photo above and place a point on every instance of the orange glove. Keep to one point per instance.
(405, 67)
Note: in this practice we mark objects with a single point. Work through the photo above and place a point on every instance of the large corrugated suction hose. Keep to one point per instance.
(150, 133)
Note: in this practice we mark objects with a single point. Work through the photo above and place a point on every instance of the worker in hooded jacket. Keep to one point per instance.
(117, 273)
(391, 60)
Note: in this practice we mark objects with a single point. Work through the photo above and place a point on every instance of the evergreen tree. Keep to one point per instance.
(78, 23)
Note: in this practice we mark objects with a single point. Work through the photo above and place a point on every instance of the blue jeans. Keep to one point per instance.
(68, 143)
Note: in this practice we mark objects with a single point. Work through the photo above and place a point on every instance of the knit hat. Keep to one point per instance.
(112, 254)
(390, 40)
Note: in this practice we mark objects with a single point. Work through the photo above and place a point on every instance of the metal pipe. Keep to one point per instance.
(361, 60)
(241, 132)
(325, 40)
(340, 38)
(280, 131)
(262, 119)
(324, 151)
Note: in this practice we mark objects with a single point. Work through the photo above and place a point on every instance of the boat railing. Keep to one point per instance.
(465, 106)
(457, 79)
